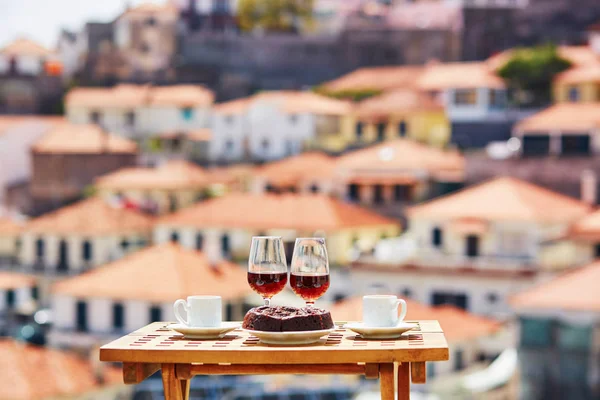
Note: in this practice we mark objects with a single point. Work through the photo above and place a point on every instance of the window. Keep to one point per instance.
(573, 94)
(378, 194)
(225, 245)
(575, 337)
(381, 132)
(402, 128)
(497, 98)
(95, 117)
(118, 316)
(174, 237)
(436, 237)
(13, 65)
(172, 203)
(359, 130)
(401, 193)
(407, 293)
(536, 332)
(575, 144)
(293, 119)
(151, 21)
(353, 192)
(472, 249)
(597, 250)
(86, 250)
(130, 119)
(459, 300)
(155, 314)
(187, 113)
(535, 145)
(39, 249)
(81, 316)
(229, 145)
(145, 48)
(124, 244)
(430, 369)
(492, 298)
(459, 362)
(10, 298)
(35, 293)
(465, 97)
(229, 312)
(314, 188)
(199, 241)
(265, 144)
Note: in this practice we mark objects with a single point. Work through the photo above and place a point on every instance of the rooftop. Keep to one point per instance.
(30, 372)
(305, 167)
(25, 47)
(376, 78)
(82, 139)
(398, 101)
(162, 273)
(289, 102)
(567, 118)
(458, 325)
(149, 8)
(170, 175)
(269, 211)
(8, 227)
(587, 73)
(91, 217)
(14, 280)
(587, 228)
(575, 290)
(503, 199)
(463, 75)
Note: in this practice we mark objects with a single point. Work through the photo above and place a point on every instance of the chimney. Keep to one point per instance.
(589, 187)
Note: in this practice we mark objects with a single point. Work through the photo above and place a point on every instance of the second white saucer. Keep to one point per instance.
(205, 333)
(369, 332)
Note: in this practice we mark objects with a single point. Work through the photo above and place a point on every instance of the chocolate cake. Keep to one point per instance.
(286, 319)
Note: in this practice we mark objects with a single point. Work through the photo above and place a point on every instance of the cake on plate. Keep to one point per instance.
(287, 319)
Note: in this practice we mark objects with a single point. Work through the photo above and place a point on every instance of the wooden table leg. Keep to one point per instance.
(386, 381)
(175, 389)
(403, 381)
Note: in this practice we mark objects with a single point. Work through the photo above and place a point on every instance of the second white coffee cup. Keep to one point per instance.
(201, 311)
(381, 311)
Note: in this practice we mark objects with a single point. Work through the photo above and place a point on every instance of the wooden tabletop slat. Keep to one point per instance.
(155, 343)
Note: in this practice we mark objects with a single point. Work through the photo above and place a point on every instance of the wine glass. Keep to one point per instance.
(267, 266)
(309, 276)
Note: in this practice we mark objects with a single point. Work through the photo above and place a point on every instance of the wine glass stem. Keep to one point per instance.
(267, 302)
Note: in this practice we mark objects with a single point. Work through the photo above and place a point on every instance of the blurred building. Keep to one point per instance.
(17, 291)
(558, 346)
(125, 295)
(167, 188)
(30, 79)
(476, 247)
(80, 236)
(10, 231)
(223, 227)
(68, 158)
(272, 125)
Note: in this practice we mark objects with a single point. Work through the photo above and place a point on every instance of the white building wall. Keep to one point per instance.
(136, 315)
(478, 112)
(63, 311)
(99, 313)
(30, 65)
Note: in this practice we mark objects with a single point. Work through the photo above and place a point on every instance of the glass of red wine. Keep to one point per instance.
(309, 276)
(267, 266)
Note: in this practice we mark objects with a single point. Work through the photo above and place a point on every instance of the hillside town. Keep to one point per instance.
(447, 150)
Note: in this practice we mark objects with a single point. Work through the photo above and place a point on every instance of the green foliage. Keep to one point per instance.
(529, 74)
(89, 191)
(274, 15)
(349, 94)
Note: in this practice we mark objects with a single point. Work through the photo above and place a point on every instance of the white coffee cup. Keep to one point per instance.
(202, 311)
(381, 311)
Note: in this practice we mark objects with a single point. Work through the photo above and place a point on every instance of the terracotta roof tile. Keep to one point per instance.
(181, 95)
(25, 47)
(587, 73)
(91, 217)
(503, 199)
(291, 102)
(458, 325)
(397, 101)
(238, 173)
(14, 280)
(82, 139)
(376, 78)
(305, 167)
(268, 211)
(8, 227)
(404, 156)
(465, 75)
(575, 290)
(162, 273)
(171, 175)
(30, 372)
(586, 228)
(564, 117)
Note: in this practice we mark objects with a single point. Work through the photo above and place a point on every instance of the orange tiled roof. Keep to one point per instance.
(30, 372)
(503, 199)
(587, 228)
(268, 211)
(376, 78)
(587, 73)
(563, 117)
(305, 167)
(291, 102)
(231, 174)
(25, 47)
(171, 175)
(464, 75)
(403, 155)
(458, 325)
(127, 95)
(398, 101)
(8, 227)
(14, 280)
(82, 138)
(575, 290)
(91, 217)
(162, 273)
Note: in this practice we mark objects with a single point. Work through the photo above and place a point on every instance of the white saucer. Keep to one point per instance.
(290, 338)
(369, 332)
(205, 333)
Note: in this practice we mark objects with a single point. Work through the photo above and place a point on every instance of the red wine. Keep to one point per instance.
(267, 284)
(309, 287)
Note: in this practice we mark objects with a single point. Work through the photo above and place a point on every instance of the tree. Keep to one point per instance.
(529, 74)
(274, 15)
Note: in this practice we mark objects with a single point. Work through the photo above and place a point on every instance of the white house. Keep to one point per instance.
(24, 57)
(16, 291)
(125, 295)
(272, 125)
(475, 247)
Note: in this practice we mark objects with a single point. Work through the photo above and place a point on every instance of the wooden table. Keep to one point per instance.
(155, 347)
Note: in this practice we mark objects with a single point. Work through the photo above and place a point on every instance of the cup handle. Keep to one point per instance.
(176, 308)
(403, 310)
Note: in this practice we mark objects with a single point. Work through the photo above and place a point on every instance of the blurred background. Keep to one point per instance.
(448, 151)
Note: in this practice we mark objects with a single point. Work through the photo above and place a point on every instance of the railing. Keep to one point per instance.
(493, 262)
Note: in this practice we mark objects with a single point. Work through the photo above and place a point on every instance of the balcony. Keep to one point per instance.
(488, 262)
